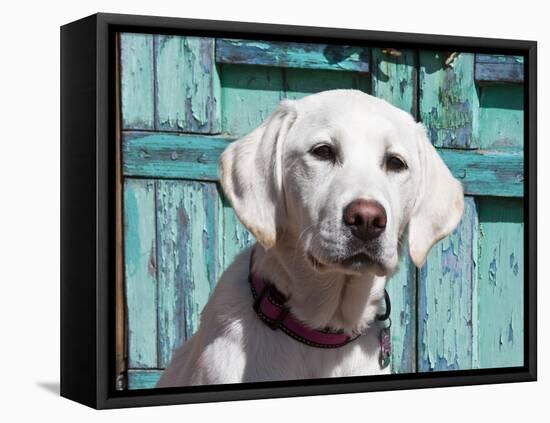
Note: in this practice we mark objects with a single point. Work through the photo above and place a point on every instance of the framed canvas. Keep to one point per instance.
(255, 211)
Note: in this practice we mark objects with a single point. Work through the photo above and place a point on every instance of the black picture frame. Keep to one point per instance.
(88, 224)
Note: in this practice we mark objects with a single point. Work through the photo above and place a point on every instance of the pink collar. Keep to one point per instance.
(270, 306)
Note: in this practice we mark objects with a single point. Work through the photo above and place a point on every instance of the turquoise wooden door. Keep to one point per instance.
(184, 98)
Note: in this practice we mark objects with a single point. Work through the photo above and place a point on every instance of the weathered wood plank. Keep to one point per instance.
(394, 78)
(501, 286)
(140, 272)
(482, 172)
(185, 72)
(301, 82)
(293, 55)
(249, 95)
(499, 59)
(501, 116)
(137, 81)
(446, 299)
(164, 155)
(499, 68)
(402, 291)
(187, 219)
(143, 379)
(448, 99)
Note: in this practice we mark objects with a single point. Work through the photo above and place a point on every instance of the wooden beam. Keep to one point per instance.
(484, 172)
(293, 55)
(161, 155)
(498, 68)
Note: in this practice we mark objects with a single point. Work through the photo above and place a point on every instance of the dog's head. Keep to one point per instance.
(342, 174)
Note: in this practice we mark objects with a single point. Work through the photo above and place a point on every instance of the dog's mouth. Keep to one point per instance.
(357, 264)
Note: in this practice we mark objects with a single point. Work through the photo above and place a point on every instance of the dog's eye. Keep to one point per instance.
(395, 164)
(324, 152)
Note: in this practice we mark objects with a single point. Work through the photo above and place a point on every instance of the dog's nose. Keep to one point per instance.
(366, 218)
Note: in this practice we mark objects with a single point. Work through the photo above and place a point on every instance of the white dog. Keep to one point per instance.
(329, 185)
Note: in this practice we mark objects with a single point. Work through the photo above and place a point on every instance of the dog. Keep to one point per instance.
(331, 186)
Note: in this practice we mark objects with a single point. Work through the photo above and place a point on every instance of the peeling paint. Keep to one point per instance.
(257, 44)
(493, 270)
(189, 267)
(137, 82)
(514, 265)
(181, 75)
(446, 294)
(394, 78)
(152, 267)
(501, 265)
(293, 55)
(447, 100)
(511, 331)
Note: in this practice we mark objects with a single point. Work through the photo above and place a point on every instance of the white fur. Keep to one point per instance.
(293, 203)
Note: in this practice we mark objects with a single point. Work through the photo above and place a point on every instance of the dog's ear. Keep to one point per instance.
(439, 202)
(251, 174)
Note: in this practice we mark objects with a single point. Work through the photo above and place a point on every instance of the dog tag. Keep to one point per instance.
(385, 347)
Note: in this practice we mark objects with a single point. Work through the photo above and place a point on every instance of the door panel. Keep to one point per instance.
(140, 258)
(446, 298)
(394, 77)
(448, 100)
(500, 302)
(137, 81)
(185, 93)
(188, 258)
